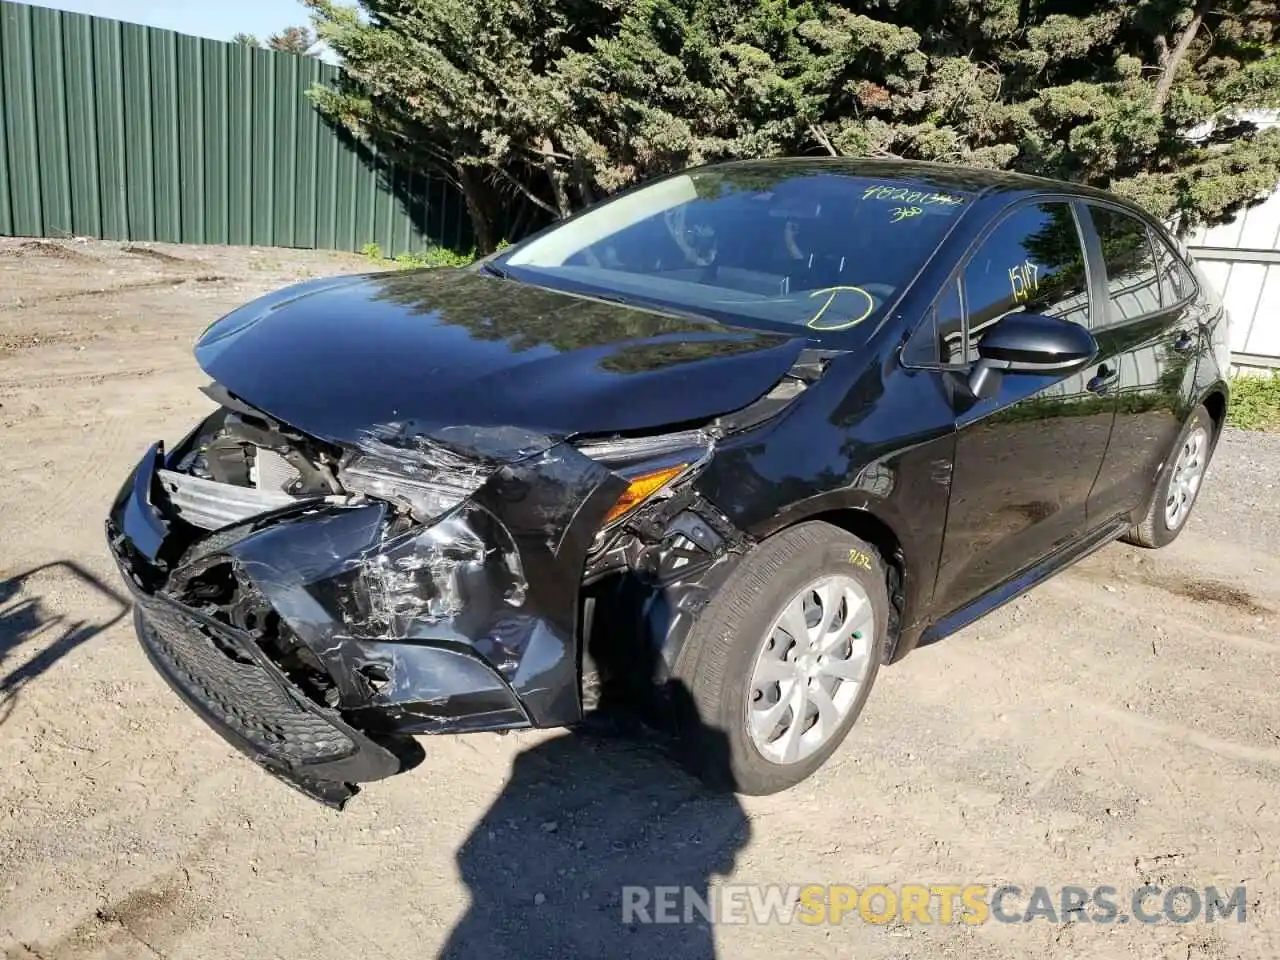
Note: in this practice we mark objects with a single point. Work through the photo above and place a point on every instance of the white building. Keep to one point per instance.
(1242, 259)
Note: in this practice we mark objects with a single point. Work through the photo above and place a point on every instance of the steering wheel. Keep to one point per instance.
(698, 243)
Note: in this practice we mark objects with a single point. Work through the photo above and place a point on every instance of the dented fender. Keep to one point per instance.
(648, 592)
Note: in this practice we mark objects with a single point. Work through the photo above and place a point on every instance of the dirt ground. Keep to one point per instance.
(1118, 726)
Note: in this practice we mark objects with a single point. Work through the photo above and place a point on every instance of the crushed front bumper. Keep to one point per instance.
(469, 623)
(230, 684)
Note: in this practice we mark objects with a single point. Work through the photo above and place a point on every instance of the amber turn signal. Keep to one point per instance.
(641, 488)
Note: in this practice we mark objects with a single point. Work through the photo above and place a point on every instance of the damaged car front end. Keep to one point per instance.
(320, 596)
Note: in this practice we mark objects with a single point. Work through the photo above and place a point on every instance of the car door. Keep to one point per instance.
(1152, 325)
(1026, 458)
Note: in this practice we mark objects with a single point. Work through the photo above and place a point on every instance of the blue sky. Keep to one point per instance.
(220, 20)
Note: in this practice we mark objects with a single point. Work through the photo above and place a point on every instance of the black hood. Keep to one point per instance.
(340, 357)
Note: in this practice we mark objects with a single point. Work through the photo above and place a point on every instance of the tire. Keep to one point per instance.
(714, 674)
(1155, 529)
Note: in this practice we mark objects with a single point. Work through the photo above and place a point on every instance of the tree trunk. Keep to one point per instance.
(1024, 14)
(1179, 53)
(556, 176)
(481, 228)
(585, 189)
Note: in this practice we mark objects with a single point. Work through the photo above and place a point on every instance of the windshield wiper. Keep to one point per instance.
(493, 271)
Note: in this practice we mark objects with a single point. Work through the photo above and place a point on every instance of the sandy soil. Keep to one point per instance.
(1118, 726)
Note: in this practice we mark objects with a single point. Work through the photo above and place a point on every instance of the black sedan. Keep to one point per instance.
(723, 446)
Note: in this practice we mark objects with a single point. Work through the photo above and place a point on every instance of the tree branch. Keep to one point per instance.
(449, 179)
(823, 140)
(1179, 53)
(539, 154)
(533, 197)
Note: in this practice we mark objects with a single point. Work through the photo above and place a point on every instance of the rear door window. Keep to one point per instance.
(1133, 284)
(1175, 279)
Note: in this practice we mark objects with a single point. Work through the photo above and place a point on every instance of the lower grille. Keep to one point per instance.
(238, 691)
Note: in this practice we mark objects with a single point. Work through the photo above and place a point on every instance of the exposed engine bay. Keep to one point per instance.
(242, 464)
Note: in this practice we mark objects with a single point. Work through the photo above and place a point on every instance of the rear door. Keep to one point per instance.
(1026, 458)
(1152, 326)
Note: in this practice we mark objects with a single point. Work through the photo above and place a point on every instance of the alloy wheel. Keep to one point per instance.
(1184, 484)
(812, 662)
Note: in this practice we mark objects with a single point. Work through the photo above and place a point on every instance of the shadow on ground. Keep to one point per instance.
(583, 818)
(33, 638)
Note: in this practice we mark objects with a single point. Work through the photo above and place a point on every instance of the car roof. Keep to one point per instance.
(942, 176)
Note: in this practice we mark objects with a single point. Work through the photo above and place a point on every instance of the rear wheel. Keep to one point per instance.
(1178, 485)
(780, 663)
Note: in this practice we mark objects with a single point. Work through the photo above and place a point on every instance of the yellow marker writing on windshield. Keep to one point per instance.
(832, 293)
(909, 197)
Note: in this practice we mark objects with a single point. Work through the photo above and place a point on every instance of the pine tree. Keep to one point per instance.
(465, 88)
(563, 101)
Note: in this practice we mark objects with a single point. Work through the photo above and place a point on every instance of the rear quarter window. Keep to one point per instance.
(1176, 283)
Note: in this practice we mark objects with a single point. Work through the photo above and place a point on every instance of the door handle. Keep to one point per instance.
(1185, 343)
(1104, 380)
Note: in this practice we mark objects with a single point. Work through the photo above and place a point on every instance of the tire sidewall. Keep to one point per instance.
(1160, 528)
(755, 773)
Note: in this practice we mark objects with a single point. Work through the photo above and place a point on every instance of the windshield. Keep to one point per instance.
(787, 245)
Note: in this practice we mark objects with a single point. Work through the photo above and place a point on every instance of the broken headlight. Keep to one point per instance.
(425, 490)
(650, 465)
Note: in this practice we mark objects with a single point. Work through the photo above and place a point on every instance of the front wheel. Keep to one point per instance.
(1178, 484)
(781, 661)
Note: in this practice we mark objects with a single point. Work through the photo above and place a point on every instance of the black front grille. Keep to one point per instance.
(238, 691)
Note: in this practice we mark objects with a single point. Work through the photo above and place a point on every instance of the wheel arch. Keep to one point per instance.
(1215, 401)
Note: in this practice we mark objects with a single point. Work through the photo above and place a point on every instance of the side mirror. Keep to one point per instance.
(1029, 343)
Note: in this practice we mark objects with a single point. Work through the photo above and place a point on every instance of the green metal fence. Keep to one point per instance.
(125, 132)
